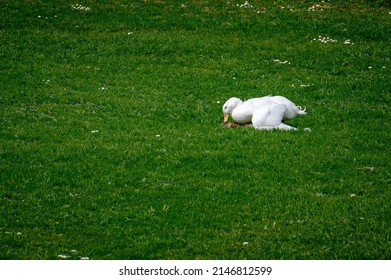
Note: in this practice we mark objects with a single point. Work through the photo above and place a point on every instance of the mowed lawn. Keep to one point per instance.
(111, 145)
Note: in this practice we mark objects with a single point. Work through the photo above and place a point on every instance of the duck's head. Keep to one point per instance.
(229, 106)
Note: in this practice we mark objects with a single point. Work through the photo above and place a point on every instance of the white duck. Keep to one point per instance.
(264, 112)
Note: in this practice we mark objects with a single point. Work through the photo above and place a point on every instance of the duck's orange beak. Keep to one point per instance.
(226, 116)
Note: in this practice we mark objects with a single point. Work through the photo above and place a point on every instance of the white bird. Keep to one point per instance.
(264, 113)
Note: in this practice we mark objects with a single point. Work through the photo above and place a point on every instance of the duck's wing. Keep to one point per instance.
(270, 117)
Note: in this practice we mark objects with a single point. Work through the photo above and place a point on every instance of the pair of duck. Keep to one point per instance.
(264, 113)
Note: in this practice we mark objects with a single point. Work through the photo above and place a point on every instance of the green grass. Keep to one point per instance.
(110, 137)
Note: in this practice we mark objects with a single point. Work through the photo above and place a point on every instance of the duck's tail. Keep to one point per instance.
(302, 111)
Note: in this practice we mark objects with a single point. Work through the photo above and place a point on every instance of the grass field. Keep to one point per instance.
(110, 137)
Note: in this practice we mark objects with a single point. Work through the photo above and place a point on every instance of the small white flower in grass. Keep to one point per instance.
(64, 257)
(245, 243)
(218, 102)
(281, 62)
(307, 129)
(347, 42)
(85, 258)
(323, 39)
(80, 7)
(74, 251)
(94, 131)
(352, 195)
(18, 233)
(316, 7)
(244, 5)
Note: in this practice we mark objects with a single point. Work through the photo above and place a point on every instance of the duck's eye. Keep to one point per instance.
(225, 107)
